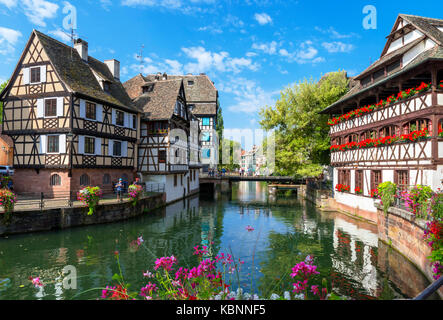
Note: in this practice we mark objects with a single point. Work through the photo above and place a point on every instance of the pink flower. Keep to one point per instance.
(140, 240)
(148, 274)
(165, 263)
(147, 290)
(36, 282)
(249, 228)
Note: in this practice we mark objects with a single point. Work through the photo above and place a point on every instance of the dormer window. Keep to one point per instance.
(106, 86)
(35, 75)
(190, 82)
(149, 88)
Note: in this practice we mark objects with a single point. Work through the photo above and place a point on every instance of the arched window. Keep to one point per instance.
(417, 124)
(106, 179)
(84, 180)
(55, 180)
(389, 131)
(370, 134)
(351, 138)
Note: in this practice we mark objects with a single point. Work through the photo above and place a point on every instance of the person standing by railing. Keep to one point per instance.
(119, 188)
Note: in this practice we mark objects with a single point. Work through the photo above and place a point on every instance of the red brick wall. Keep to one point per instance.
(29, 181)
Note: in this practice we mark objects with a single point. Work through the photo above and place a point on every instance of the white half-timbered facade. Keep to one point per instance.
(168, 148)
(70, 119)
(388, 127)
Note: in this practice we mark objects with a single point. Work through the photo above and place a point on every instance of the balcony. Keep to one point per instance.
(400, 153)
(413, 104)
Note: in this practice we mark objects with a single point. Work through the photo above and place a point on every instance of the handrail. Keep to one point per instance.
(433, 287)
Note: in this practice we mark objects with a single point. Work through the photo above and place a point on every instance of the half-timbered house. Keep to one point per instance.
(202, 98)
(388, 127)
(70, 119)
(166, 152)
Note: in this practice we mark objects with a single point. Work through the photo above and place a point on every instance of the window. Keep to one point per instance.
(35, 75)
(388, 131)
(175, 180)
(84, 180)
(366, 81)
(106, 179)
(50, 107)
(206, 137)
(379, 74)
(90, 110)
(162, 156)
(148, 88)
(206, 153)
(119, 118)
(117, 148)
(344, 177)
(191, 107)
(134, 121)
(359, 179)
(206, 121)
(89, 145)
(417, 124)
(393, 66)
(106, 86)
(376, 178)
(55, 180)
(53, 144)
(190, 83)
(401, 179)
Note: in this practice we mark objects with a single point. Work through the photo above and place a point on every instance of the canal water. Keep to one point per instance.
(286, 230)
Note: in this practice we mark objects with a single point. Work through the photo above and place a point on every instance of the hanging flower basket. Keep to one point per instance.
(90, 196)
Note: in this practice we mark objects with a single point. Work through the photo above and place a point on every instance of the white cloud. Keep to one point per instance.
(61, 35)
(149, 66)
(211, 29)
(334, 34)
(337, 46)
(170, 4)
(221, 61)
(305, 54)
(8, 39)
(248, 96)
(39, 10)
(263, 18)
(9, 3)
(269, 48)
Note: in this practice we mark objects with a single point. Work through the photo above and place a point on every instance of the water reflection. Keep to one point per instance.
(347, 252)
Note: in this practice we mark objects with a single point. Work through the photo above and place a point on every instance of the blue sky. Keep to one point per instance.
(251, 49)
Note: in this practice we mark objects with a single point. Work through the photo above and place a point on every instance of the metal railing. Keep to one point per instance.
(63, 199)
(430, 290)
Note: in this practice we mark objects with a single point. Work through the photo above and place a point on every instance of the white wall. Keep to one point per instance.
(355, 201)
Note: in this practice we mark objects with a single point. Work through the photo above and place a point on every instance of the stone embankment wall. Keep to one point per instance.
(61, 218)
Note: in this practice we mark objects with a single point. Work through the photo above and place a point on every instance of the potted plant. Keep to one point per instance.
(90, 196)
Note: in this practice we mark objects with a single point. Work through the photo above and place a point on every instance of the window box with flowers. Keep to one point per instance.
(358, 190)
(90, 196)
(7, 201)
(402, 95)
(342, 188)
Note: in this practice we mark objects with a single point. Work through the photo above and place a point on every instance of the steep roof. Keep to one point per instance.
(159, 104)
(78, 75)
(202, 89)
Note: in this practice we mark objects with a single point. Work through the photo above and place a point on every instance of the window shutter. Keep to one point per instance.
(125, 119)
(113, 116)
(25, 75)
(82, 108)
(40, 108)
(98, 146)
(60, 107)
(99, 112)
(124, 148)
(111, 147)
(81, 144)
(43, 144)
(43, 74)
(62, 143)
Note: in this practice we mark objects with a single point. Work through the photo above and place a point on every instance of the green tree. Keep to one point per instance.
(232, 146)
(2, 87)
(301, 133)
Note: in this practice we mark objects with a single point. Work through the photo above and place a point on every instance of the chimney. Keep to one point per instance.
(82, 48)
(114, 67)
(165, 76)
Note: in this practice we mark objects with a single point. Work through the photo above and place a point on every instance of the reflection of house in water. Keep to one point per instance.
(251, 191)
(360, 267)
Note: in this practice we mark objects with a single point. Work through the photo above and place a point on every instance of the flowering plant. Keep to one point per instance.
(358, 190)
(342, 188)
(440, 130)
(90, 196)
(374, 193)
(7, 201)
(135, 191)
(417, 199)
(387, 192)
(434, 234)
(382, 103)
(368, 143)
